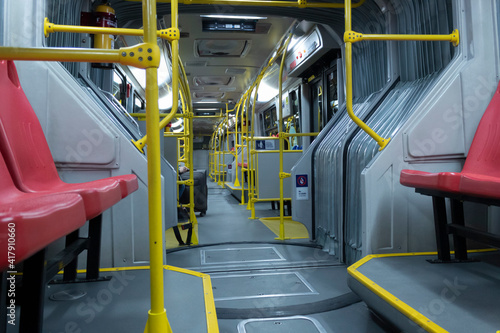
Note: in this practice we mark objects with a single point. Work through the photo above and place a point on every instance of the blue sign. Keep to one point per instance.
(301, 181)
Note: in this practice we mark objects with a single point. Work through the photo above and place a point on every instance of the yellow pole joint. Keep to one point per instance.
(455, 37)
(139, 144)
(187, 182)
(48, 27)
(284, 175)
(170, 33)
(302, 3)
(145, 55)
(352, 36)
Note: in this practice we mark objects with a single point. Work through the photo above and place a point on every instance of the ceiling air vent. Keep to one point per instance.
(213, 80)
(227, 89)
(197, 94)
(196, 63)
(222, 47)
(234, 70)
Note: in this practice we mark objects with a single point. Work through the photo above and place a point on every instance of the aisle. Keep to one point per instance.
(264, 285)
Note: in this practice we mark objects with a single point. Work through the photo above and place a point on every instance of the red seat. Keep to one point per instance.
(38, 219)
(480, 176)
(479, 181)
(27, 154)
(244, 164)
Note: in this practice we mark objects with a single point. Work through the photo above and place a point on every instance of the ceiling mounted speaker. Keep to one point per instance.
(214, 95)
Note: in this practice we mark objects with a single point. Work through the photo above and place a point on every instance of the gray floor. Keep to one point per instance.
(259, 284)
(252, 273)
(458, 297)
(122, 303)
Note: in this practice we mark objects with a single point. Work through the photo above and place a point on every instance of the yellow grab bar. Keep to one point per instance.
(157, 316)
(141, 55)
(48, 28)
(351, 37)
(265, 3)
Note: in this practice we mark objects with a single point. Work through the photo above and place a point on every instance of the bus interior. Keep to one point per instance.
(250, 166)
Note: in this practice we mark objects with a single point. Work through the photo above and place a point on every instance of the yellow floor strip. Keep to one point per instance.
(392, 300)
(293, 229)
(170, 240)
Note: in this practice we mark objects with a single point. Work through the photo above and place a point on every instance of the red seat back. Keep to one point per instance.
(484, 153)
(22, 141)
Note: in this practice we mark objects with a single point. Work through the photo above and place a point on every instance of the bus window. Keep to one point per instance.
(317, 105)
(120, 88)
(270, 119)
(139, 104)
(332, 97)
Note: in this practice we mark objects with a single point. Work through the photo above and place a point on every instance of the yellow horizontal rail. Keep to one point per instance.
(271, 199)
(265, 138)
(48, 28)
(300, 134)
(162, 115)
(454, 37)
(175, 135)
(216, 116)
(264, 3)
(145, 55)
(274, 151)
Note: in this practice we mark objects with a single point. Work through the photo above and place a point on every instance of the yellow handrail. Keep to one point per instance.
(236, 180)
(454, 37)
(244, 130)
(175, 80)
(157, 316)
(282, 175)
(48, 28)
(251, 158)
(264, 3)
(141, 55)
(351, 37)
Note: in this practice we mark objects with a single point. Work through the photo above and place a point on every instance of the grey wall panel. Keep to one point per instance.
(394, 111)
(394, 218)
(268, 174)
(200, 159)
(127, 224)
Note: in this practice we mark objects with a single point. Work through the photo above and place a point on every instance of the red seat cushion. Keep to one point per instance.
(38, 219)
(480, 185)
(244, 164)
(442, 181)
(27, 154)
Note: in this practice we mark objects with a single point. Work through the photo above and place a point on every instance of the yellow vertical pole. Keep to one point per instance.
(251, 163)
(157, 315)
(243, 146)
(236, 180)
(220, 157)
(188, 154)
(214, 154)
(227, 146)
(281, 139)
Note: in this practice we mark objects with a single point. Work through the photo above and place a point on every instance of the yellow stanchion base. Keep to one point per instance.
(293, 229)
(171, 242)
(157, 323)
